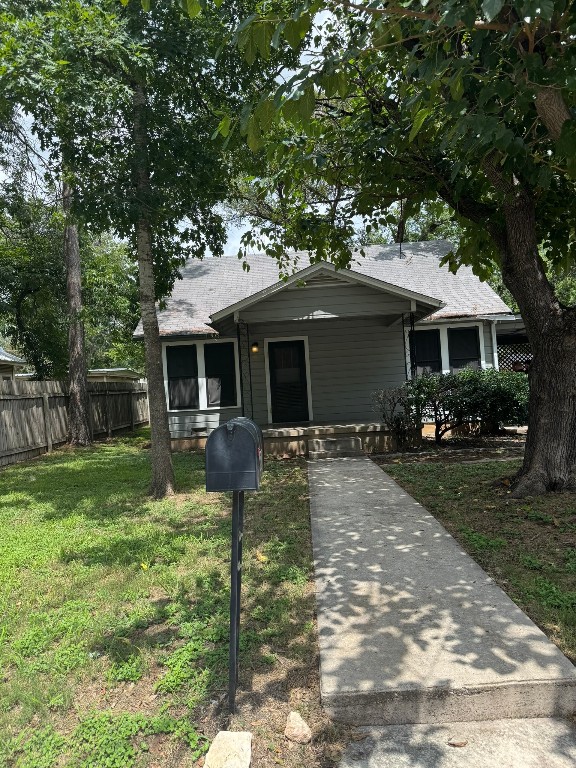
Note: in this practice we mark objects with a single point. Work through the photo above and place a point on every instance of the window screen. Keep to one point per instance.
(220, 366)
(182, 368)
(425, 351)
(464, 348)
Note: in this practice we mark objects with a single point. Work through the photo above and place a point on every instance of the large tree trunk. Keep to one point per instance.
(162, 483)
(78, 415)
(550, 456)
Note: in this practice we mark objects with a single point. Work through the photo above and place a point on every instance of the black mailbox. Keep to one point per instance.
(234, 456)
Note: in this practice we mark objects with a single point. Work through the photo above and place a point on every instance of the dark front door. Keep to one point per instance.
(288, 385)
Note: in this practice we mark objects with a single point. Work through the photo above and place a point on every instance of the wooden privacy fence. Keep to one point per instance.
(34, 418)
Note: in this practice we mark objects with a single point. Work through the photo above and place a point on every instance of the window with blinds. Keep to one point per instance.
(425, 352)
(182, 370)
(464, 348)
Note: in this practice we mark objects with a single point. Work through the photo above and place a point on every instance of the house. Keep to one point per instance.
(117, 375)
(8, 365)
(302, 356)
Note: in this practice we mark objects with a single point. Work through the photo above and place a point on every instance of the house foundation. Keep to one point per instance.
(289, 441)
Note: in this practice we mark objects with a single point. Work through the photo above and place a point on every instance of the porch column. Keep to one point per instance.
(245, 369)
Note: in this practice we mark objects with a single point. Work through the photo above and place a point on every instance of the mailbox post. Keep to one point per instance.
(234, 462)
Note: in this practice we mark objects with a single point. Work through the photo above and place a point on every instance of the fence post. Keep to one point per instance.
(90, 415)
(132, 419)
(107, 414)
(46, 415)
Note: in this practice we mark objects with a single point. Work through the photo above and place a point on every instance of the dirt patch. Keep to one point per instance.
(264, 708)
(459, 449)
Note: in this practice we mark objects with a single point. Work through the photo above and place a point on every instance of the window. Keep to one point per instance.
(220, 369)
(182, 370)
(464, 348)
(425, 351)
(201, 375)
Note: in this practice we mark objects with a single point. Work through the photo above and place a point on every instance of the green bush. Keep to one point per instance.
(491, 398)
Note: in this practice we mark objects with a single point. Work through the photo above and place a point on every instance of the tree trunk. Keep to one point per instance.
(162, 483)
(78, 416)
(550, 456)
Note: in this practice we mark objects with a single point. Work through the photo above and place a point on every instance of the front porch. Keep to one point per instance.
(290, 440)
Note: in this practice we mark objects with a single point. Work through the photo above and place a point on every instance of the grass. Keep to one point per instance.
(528, 546)
(114, 633)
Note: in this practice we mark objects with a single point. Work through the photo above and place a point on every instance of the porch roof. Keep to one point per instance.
(315, 271)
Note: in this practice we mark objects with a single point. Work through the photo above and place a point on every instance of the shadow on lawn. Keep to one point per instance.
(189, 626)
(102, 483)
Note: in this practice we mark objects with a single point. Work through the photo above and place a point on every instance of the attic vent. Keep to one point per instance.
(321, 281)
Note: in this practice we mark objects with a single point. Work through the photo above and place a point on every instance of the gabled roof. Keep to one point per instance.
(207, 287)
(321, 268)
(8, 357)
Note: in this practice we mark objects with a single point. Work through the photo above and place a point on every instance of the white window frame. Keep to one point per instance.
(308, 377)
(444, 351)
(202, 389)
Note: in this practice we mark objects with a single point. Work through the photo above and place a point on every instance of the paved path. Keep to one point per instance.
(536, 743)
(411, 629)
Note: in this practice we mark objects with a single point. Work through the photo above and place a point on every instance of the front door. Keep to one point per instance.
(288, 383)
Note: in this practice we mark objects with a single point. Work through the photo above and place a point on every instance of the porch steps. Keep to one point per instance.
(334, 447)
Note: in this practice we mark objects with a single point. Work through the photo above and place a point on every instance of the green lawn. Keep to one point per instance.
(113, 642)
(528, 546)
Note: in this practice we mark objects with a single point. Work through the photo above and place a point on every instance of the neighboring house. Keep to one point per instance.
(310, 350)
(113, 374)
(9, 363)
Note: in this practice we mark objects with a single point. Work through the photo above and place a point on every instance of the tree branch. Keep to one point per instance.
(391, 10)
(552, 110)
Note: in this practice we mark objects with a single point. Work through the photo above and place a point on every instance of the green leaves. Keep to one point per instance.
(299, 109)
(254, 37)
(194, 8)
(335, 83)
(491, 8)
(295, 30)
(421, 115)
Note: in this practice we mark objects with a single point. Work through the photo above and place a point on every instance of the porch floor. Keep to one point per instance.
(321, 428)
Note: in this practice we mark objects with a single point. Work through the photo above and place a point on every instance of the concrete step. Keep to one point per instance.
(531, 743)
(333, 447)
(411, 629)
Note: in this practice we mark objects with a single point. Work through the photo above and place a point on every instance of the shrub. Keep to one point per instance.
(491, 398)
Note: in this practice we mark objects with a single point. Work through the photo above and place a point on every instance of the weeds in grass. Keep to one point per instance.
(531, 562)
(480, 542)
(570, 560)
(101, 586)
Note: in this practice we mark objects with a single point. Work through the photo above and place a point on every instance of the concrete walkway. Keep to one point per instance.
(411, 629)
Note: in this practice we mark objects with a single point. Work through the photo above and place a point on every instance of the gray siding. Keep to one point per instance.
(325, 301)
(349, 359)
(183, 423)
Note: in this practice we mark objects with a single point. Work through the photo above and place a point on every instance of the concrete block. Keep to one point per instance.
(230, 749)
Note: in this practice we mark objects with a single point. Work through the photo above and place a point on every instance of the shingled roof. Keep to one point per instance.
(8, 357)
(213, 284)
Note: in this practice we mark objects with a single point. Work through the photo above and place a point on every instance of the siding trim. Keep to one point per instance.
(267, 372)
(202, 391)
(494, 345)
